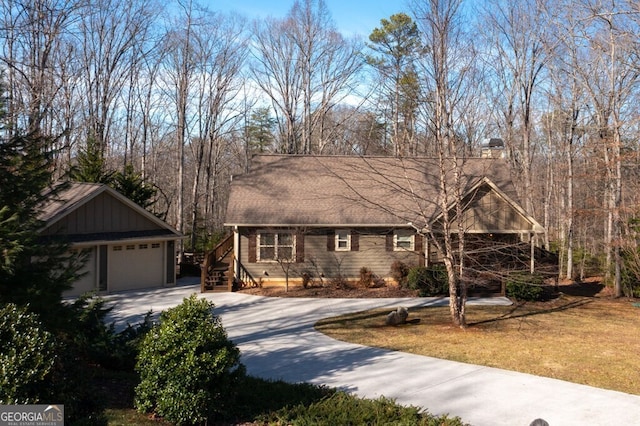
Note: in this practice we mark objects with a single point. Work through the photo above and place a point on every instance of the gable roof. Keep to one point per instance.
(333, 191)
(65, 200)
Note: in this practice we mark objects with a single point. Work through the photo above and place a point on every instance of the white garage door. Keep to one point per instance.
(135, 266)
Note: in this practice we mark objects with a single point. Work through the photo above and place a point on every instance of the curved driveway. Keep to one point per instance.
(278, 341)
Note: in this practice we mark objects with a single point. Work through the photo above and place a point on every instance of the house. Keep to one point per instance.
(129, 248)
(330, 216)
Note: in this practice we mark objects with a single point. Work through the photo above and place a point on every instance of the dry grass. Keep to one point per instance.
(589, 340)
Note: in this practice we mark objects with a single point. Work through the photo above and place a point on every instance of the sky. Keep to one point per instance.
(352, 17)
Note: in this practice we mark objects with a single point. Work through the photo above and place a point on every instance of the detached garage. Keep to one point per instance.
(129, 248)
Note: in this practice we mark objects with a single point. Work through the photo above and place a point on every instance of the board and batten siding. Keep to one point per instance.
(490, 213)
(102, 214)
(371, 252)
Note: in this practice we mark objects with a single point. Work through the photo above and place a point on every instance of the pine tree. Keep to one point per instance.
(91, 166)
(33, 271)
(133, 186)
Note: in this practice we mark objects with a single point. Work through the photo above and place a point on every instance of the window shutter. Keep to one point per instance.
(389, 242)
(331, 240)
(355, 241)
(418, 244)
(252, 246)
(299, 247)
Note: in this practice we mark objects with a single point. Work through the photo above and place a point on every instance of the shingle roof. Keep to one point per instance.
(60, 200)
(349, 190)
(66, 197)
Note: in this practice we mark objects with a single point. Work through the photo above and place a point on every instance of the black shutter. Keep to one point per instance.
(252, 246)
(299, 247)
(389, 242)
(355, 241)
(331, 240)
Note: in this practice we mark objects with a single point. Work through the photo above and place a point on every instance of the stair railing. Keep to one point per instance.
(214, 256)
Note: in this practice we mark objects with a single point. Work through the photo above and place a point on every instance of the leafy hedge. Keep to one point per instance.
(525, 286)
(431, 281)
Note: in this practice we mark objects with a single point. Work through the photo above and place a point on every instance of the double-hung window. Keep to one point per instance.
(274, 246)
(343, 240)
(403, 240)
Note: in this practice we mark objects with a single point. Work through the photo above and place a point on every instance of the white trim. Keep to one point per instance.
(275, 246)
(404, 233)
(347, 247)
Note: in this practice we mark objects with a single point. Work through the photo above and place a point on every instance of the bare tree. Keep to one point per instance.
(446, 66)
(274, 70)
(219, 53)
(518, 34)
(179, 70)
(34, 46)
(609, 80)
(111, 32)
(305, 67)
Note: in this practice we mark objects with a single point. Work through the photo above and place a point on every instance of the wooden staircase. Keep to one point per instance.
(217, 269)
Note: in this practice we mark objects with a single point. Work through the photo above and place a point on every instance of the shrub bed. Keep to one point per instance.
(524, 286)
(430, 281)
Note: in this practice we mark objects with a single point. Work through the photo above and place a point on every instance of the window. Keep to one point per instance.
(343, 240)
(273, 246)
(403, 240)
(117, 248)
(155, 245)
(143, 246)
(131, 246)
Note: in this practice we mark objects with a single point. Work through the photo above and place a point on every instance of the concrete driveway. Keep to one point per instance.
(278, 341)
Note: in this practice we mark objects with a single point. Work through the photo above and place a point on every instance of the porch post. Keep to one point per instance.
(533, 252)
(426, 250)
(236, 253)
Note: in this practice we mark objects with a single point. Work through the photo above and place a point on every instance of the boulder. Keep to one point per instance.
(397, 317)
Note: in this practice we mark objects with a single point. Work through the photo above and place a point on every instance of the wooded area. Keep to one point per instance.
(183, 96)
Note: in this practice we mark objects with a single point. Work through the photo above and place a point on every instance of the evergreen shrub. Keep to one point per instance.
(525, 286)
(430, 281)
(27, 355)
(344, 409)
(189, 369)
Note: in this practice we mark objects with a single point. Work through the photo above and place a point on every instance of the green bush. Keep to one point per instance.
(188, 368)
(27, 356)
(525, 286)
(430, 281)
(99, 343)
(344, 409)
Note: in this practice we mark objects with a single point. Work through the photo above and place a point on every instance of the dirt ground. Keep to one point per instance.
(332, 292)
(591, 287)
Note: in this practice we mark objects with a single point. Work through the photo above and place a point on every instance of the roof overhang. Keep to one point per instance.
(318, 225)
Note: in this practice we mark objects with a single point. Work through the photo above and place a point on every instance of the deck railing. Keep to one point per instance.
(244, 277)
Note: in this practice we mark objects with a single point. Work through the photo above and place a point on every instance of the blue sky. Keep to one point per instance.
(352, 17)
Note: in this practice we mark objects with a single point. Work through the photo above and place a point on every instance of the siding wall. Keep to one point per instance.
(102, 214)
(372, 254)
(490, 213)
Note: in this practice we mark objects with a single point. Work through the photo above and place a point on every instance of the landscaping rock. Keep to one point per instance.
(397, 317)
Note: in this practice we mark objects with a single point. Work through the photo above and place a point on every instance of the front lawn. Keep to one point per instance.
(588, 340)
